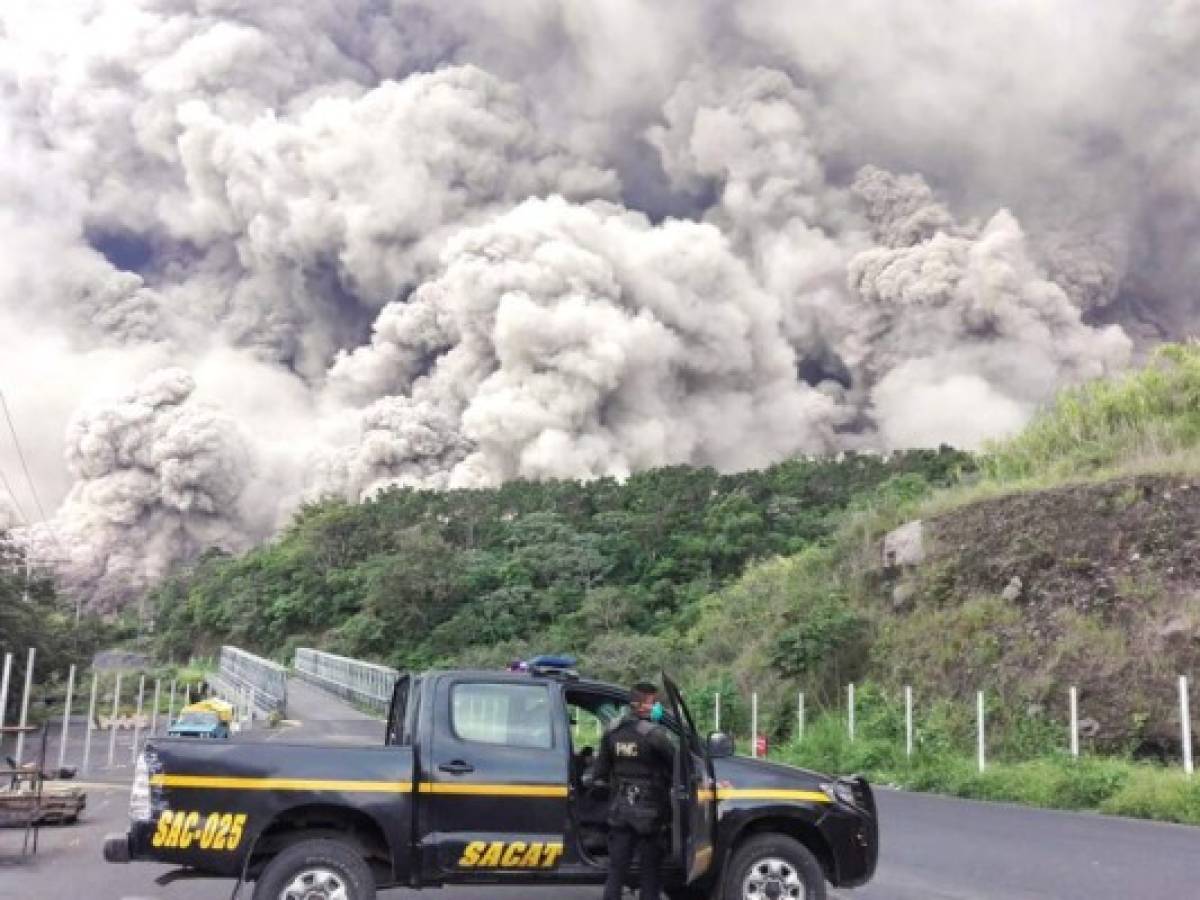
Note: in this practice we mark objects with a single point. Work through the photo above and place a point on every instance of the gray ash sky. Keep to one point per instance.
(254, 252)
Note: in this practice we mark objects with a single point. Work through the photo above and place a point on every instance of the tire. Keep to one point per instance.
(775, 858)
(312, 863)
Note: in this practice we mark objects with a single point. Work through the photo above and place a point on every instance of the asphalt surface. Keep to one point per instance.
(934, 848)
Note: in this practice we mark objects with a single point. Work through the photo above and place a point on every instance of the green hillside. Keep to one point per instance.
(621, 574)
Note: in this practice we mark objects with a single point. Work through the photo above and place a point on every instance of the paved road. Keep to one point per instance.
(938, 848)
(320, 716)
(934, 848)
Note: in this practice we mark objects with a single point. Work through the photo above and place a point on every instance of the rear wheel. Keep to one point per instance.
(316, 870)
(773, 867)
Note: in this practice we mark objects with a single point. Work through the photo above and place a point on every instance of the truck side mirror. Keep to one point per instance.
(720, 745)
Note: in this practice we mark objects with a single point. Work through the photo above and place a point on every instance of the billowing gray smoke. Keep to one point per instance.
(259, 251)
(563, 341)
(158, 477)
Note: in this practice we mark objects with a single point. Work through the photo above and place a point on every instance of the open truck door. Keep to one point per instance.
(399, 718)
(693, 823)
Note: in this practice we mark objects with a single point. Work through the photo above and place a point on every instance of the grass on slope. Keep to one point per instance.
(1051, 780)
(1146, 415)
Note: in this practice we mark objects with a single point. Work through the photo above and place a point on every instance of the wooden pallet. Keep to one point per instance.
(60, 806)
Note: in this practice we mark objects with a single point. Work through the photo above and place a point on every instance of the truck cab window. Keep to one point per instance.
(516, 715)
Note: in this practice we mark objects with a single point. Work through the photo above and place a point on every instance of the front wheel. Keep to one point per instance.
(774, 866)
(316, 870)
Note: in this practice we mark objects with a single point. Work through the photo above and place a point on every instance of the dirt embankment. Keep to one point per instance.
(1096, 585)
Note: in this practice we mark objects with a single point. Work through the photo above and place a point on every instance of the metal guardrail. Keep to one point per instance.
(366, 683)
(241, 674)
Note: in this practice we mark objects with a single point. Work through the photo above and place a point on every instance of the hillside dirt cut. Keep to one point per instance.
(1092, 585)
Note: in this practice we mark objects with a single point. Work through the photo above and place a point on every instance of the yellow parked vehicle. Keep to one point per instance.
(204, 719)
(223, 710)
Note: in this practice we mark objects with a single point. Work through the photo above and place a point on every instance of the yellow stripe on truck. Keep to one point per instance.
(765, 794)
(220, 782)
(494, 790)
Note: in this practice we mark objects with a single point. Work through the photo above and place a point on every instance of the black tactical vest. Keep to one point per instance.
(642, 770)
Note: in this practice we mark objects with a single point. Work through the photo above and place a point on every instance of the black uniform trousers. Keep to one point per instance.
(623, 843)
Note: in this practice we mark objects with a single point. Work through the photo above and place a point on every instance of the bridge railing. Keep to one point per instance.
(368, 684)
(261, 682)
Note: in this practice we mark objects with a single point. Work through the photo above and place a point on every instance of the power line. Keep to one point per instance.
(13, 497)
(21, 456)
(36, 499)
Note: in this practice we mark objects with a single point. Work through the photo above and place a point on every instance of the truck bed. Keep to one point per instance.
(215, 801)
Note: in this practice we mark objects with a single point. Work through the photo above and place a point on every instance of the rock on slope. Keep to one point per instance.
(1096, 585)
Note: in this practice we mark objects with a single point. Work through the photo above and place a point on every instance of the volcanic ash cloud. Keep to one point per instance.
(574, 341)
(159, 477)
(447, 244)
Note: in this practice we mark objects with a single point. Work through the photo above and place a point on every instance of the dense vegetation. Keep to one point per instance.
(33, 615)
(621, 573)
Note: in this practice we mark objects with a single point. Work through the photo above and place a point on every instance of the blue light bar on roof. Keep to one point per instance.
(549, 661)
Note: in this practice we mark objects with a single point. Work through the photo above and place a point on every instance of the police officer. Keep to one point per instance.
(637, 759)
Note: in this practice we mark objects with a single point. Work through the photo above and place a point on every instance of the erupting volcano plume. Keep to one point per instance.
(257, 252)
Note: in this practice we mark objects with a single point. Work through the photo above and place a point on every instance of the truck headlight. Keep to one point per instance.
(139, 795)
(841, 792)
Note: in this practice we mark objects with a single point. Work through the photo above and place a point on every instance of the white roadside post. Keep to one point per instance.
(800, 718)
(754, 725)
(25, 704)
(87, 732)
(4, 686)
(717, 711)
(850, 710)
(154, 713)
(982, 739)
(908, 721)
(1185, 724)
(1074, 722)
(171, 705)
(137, 718)
(62, 741)
(112, 723)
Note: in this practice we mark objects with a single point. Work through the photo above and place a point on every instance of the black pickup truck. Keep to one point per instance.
(480, 781)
